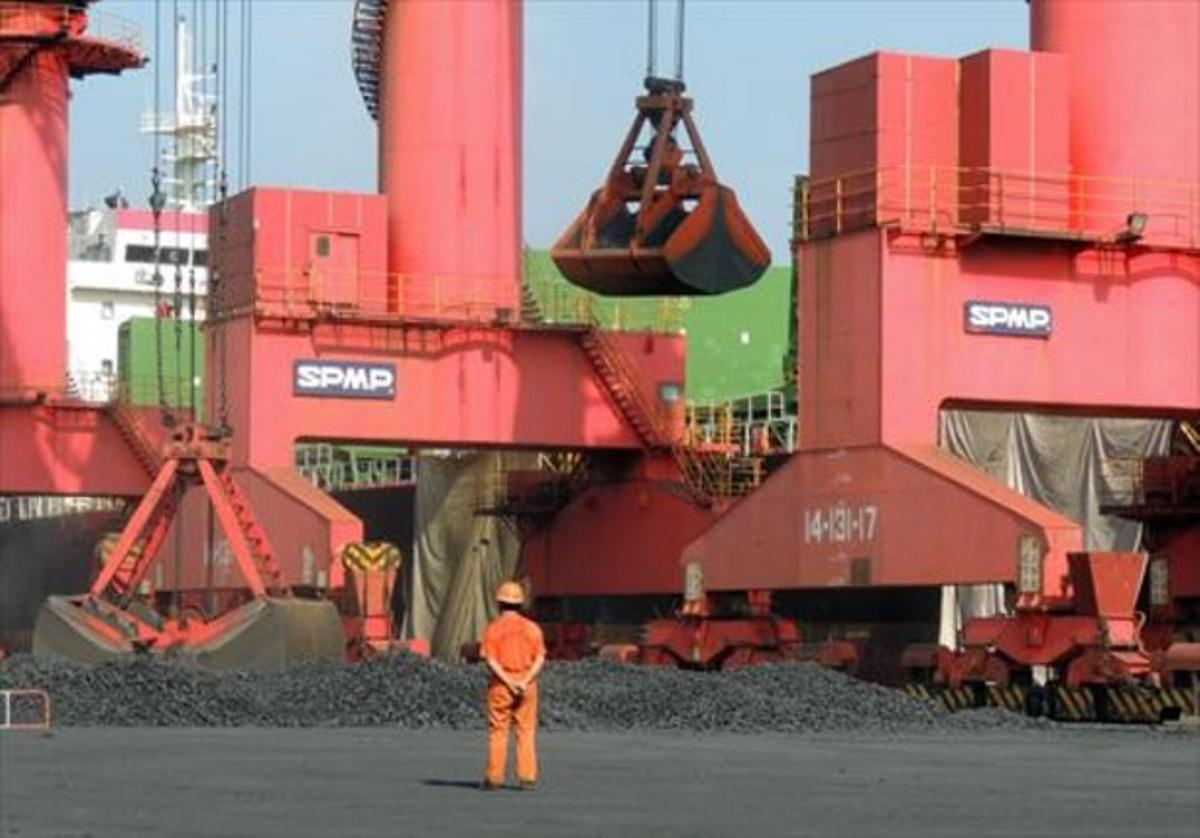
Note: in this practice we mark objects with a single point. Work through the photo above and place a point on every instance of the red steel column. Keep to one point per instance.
(1134, 92)
(449, 155)
(40, 45)
(33, 223)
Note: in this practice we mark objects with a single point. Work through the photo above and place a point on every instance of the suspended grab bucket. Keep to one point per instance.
(665, 226)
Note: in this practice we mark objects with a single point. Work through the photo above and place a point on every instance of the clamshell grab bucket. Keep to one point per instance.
(262, 634)
(117, 618)
(663, 227)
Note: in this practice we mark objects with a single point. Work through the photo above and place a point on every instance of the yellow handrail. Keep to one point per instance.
(313, 291)
(963, 197)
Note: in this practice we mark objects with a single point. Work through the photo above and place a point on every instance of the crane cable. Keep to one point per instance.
(177, 300)
(216, 281)
(246, 79)
(199, 57)
(679, 18)
(652, 38)
(220, 38)
(177, 253)
(157, 202)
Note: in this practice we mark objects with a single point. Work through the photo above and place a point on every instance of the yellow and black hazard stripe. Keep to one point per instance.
(1131, 704)
(958, 698)
(1089, 703)
(1010, 697)
(921, 692)
(952, 698)
(1177, 701)
(1072, 704)
(377, 555)
(1148, 705)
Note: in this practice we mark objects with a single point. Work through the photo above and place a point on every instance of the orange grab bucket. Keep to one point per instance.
(663, 226)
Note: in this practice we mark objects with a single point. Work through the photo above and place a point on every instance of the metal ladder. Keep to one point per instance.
(135, 433)
(256, 538)
(366, 38)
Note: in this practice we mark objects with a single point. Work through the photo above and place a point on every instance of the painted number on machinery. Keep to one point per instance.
(1019, 319)
(841, 523)
(344, 379)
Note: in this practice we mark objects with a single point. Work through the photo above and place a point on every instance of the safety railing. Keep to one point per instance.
(40, 507)
(352, 468)
(315, 292)
(176, 389)
(26, 18)
(756, 424)
(966, 199)
(92, 386)
(116, 30)
(719, 476)
(25, 710)
(1121, 481)
(1166, 482)
(565, 304)
(105, 387)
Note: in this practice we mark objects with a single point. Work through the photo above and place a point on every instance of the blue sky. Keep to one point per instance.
(747, 64)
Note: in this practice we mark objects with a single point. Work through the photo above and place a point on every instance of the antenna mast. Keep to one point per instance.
(192, 128)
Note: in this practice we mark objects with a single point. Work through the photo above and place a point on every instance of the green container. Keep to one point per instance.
(737, 343)
(138, 342)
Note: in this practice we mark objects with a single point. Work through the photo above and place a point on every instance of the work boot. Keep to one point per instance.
(526, 785)
(488, 785)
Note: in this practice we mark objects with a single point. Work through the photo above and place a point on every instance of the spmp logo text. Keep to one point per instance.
(1020, 319)
(344, 379)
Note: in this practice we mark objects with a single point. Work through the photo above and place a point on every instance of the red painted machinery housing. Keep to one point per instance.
(984, 233)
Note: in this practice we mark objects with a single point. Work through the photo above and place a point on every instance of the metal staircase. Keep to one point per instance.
(719, 474)
(620, 383)
(256, 538)
(140, 440)
(366, 45)
(531, 308)
(713, 473)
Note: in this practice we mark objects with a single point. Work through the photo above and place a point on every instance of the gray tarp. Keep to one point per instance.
(1064, 462)
(460, 556)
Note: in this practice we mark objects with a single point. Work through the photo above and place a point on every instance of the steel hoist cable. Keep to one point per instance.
(679, 20)
(652, 38)
(216, 281)
(249, 71)
(199, 72)
(157, 202)
(245, 95)
(178, 251)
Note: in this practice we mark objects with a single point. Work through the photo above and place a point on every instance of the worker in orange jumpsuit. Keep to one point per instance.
(514, 650)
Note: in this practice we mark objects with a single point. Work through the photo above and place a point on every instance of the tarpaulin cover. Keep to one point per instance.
(460, 556)
(1068, 463)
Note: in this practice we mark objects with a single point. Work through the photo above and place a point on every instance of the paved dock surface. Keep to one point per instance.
(1084, 782)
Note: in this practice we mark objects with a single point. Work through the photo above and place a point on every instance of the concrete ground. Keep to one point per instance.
(1092, 782)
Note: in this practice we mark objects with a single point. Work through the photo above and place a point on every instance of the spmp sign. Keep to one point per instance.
(344, 379)
(1020, 319)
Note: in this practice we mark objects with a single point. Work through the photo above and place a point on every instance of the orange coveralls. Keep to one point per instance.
(514, 642)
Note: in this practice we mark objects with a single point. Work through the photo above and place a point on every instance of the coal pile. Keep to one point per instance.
(410, 692)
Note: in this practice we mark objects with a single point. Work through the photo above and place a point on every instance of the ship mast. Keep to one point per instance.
(192, 128)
